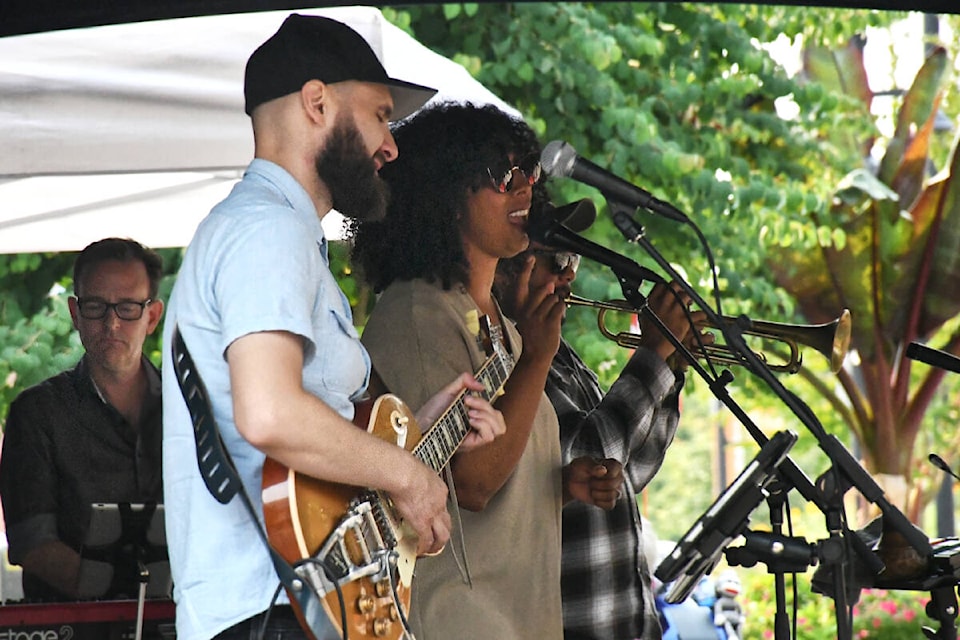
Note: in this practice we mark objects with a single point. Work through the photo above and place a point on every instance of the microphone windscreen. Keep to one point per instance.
(577, 215)
(558, 158)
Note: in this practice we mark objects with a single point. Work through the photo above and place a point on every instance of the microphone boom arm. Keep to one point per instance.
(854, 474)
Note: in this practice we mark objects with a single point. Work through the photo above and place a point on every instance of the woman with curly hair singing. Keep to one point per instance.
(461, 191)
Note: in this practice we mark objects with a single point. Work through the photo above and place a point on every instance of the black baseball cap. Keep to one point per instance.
(317, 48)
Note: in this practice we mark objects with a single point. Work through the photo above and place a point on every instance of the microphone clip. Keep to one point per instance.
(623, 219)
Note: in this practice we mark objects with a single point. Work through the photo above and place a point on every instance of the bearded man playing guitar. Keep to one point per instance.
(271, 334)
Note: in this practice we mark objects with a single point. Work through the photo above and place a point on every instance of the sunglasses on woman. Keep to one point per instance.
(529, 168)
(560, 261)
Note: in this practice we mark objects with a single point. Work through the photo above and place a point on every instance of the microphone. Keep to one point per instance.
(933, 357)
(558, 158)
(939, 463)
(547, 231)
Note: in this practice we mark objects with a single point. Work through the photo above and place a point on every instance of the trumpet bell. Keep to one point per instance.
(830, 339)
(841, 341)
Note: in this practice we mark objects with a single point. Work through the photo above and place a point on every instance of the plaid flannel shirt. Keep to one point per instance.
(604, 576)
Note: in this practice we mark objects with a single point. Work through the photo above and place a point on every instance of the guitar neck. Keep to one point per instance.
(439, 443)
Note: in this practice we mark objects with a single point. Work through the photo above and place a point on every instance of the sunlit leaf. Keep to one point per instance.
(919, 107)
(860, 182)
(921, 98)
(912, 172)
(942, 301)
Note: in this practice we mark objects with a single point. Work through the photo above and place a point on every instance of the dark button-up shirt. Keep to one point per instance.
(65, 448)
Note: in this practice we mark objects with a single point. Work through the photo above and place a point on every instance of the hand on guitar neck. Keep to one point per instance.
(486, 423)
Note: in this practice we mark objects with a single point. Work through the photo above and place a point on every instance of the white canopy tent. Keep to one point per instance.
(136, 130)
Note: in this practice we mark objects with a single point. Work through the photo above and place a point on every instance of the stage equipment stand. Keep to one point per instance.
(125, 550)
(699, 550)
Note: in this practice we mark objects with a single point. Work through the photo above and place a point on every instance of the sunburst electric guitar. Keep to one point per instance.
(347, 542)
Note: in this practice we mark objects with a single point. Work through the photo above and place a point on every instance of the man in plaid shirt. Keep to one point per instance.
(604, 576)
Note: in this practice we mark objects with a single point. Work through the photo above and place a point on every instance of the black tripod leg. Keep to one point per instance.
(942, 608)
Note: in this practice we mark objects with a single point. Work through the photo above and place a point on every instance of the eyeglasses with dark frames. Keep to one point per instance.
(125, 309)
(529, 168)
(560, 261)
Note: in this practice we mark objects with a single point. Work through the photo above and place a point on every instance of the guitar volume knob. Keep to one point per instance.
(381, 627)
(365, 604)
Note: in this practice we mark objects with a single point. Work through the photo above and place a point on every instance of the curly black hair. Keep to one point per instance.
(445, 151)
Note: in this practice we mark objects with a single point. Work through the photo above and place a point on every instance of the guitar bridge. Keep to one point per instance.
(361, 546)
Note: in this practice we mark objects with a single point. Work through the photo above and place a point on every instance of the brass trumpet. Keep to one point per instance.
(832, 339)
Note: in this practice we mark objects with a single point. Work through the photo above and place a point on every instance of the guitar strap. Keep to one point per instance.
(463, 565)
(223, 482)
(499, 341)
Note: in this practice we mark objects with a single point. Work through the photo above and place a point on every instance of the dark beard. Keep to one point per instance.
(356, 191)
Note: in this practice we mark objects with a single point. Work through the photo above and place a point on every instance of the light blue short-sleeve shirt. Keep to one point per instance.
(258, 262)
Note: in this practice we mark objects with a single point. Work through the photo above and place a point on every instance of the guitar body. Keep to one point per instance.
(353, 531)
(303, 514)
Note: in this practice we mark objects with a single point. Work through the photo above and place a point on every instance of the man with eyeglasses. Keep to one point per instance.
(605, 580)
(91, 434)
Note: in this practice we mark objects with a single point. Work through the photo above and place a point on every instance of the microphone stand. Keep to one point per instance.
(831, 486)
(845, 472)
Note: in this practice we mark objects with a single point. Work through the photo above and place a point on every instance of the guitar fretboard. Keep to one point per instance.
(437, 446)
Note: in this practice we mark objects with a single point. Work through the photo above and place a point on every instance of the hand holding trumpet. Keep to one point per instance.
(670, 303)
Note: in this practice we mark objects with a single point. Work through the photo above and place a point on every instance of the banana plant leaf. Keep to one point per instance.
(887, 248)
(842, 71)
(919, 104)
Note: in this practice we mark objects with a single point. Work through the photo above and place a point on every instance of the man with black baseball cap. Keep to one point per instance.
(272, 336)
(316, 48)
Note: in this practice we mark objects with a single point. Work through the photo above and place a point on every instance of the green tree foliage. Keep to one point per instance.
(36, 334)
(682, 99)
